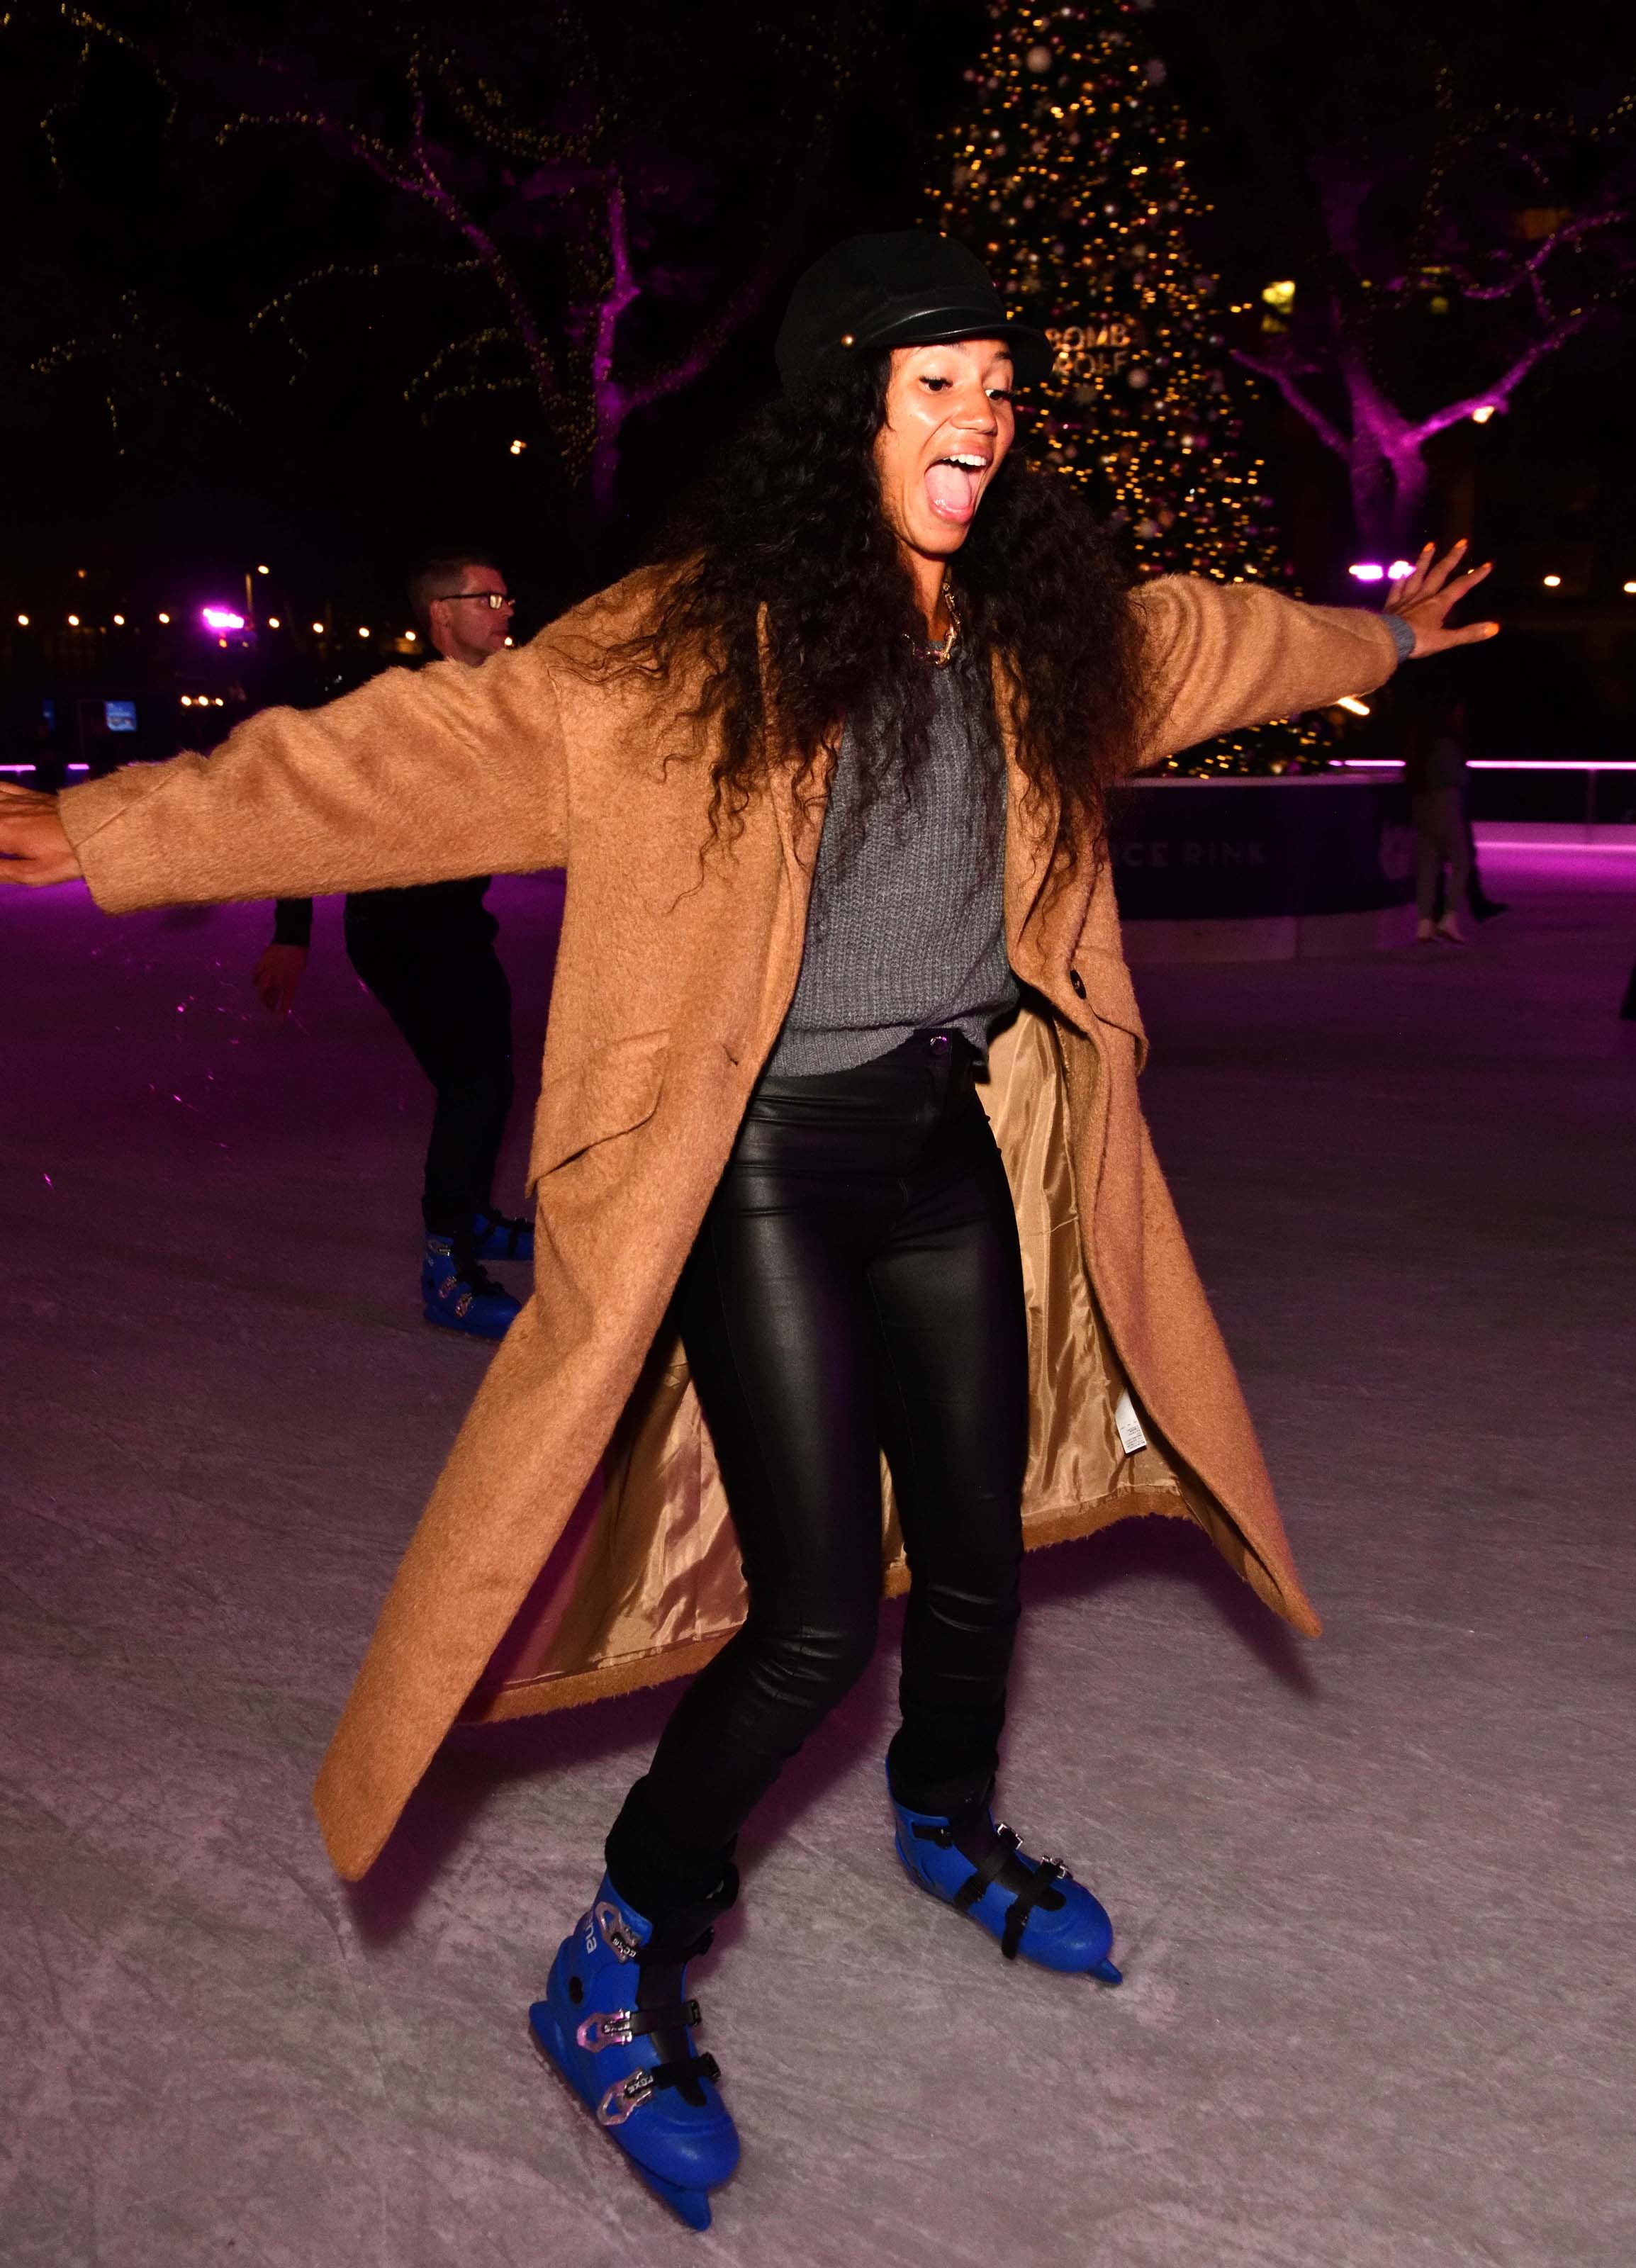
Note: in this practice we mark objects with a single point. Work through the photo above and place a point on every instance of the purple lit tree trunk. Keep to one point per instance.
(1328, 363)
(581, 207)
(421, 170)
(616, 400)
(1383, 449)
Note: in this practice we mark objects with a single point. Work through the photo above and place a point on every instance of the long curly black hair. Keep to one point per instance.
(792, 522)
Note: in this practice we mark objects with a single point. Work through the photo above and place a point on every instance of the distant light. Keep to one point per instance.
(1552, 581)
(22, 620)
(410, 635)
(119, 621)
(518, 447)
(1368, 570)
(187, 700)
(1280, 295)
(80, 573)
(1484, 411)
(165, 618)
(362, 630)
(318, 629)
(222, 618)
(1350, 701)
(218, 701)
(511, 641)
(73, 622)
(263, 571)
(1399, 568)
(1630, 592)
(273, 622)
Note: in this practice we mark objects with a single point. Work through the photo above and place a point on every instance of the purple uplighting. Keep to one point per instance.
(1544, 766)
(222, 618)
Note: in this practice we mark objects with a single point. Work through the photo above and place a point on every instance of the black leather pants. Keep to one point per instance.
(856, 1286)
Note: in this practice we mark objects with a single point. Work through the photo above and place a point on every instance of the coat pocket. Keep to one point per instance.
(612, 1091)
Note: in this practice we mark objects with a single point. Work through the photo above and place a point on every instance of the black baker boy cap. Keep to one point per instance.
(906, 288)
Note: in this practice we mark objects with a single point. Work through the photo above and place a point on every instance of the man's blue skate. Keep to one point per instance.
(457, 1294)
(1033, 1906)
(616, 2025)
(497, 1236)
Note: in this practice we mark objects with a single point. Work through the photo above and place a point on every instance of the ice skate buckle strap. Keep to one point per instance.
(614, 1935)
(628, 2094)
(623, 2025)
(987, 1870)
(1046, 1871)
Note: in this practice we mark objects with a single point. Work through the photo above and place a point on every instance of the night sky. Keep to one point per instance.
(178, 428)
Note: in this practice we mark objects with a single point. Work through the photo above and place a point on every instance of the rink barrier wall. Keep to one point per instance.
(1269, 869)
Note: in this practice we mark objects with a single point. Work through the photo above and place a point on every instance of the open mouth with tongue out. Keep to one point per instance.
(953, 484)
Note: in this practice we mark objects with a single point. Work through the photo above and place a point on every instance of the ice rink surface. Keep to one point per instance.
(1373, 1896)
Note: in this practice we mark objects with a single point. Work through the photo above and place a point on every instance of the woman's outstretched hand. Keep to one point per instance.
(1426, 596)
(34, 848)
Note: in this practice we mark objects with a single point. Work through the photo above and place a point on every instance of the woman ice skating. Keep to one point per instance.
(838, 1150)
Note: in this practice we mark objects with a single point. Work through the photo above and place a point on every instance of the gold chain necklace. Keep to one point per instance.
(942, 653)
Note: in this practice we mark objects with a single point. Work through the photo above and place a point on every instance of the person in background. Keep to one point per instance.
(1434, 763)
(427, 955)
(1482, 906)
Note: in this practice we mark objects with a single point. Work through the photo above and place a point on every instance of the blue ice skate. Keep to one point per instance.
(496, 1236)
(457, 1294)
(615, 2023)
(1033, 1906)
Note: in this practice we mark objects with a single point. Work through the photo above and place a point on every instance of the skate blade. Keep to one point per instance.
(690, 2205)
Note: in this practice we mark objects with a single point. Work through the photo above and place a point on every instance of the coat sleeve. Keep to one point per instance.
(421, 776)
(1218, 656)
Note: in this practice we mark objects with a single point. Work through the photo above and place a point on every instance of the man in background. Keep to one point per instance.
(427, 955)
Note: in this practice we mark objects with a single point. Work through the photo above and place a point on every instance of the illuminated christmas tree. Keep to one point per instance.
(1069, 181)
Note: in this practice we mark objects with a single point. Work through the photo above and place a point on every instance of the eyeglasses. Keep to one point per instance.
(493, 599)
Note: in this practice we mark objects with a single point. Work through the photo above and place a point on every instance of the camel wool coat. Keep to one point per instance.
(578, 1543)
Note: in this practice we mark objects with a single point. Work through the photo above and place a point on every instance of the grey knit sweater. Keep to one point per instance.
(906, 932)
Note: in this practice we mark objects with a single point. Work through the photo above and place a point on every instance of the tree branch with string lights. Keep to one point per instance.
(566, 215)
(544, 224)
(1443, 231)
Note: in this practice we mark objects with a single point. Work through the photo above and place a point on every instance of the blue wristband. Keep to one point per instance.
(1403, 634)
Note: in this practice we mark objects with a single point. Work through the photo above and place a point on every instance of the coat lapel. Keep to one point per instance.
(1041, 925)
(798, 817)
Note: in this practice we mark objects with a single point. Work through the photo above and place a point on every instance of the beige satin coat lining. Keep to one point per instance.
(648, 1565)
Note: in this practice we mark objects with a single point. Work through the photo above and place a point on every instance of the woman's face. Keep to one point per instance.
(948, 424)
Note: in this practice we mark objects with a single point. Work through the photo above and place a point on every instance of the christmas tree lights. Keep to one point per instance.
(1068, 180)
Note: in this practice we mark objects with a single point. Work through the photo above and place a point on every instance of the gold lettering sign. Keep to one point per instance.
(1088, 353)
